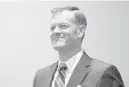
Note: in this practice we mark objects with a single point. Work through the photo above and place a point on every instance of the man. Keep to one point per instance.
(74, 68)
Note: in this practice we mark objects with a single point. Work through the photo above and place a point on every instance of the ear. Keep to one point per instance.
(81, 31)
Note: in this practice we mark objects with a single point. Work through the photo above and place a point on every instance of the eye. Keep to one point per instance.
(52, 28)
(63, 26)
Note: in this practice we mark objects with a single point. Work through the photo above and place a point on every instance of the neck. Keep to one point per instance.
(67, 54)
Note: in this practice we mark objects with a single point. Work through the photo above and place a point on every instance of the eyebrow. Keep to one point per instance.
(59, 23)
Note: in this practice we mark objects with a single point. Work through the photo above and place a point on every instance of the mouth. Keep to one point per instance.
(54, 40)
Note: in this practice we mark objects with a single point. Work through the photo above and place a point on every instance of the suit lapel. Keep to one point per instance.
(80, 72)
(52, 72)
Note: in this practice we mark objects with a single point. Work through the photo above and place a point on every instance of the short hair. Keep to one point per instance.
(79, 16)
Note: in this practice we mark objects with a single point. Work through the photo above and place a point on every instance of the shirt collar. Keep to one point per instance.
(72, 62)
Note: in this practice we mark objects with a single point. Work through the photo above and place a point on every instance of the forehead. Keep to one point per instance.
(61, 17)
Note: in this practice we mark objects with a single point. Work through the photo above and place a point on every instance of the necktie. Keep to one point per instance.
(60, 79)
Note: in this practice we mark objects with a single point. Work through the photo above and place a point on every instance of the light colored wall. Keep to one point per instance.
(25, 45)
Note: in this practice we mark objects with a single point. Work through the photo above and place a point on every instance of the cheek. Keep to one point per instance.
(73, 35)
(69, 37)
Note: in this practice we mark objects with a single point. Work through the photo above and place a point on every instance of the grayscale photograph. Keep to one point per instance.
(64, 44)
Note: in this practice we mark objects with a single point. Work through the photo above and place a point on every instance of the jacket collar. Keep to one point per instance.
(79, 74)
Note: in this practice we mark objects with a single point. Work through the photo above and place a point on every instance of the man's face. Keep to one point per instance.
(63, 31)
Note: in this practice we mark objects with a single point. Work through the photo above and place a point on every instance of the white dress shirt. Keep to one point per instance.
(71, 64)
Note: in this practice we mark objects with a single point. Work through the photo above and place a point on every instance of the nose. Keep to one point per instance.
(57, 30)
(56, 33)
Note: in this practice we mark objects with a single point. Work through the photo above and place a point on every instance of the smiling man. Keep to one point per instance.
(74, 68)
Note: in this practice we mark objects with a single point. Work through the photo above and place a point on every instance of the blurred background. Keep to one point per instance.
(25, 46)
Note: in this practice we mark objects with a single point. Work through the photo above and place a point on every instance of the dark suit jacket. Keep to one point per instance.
(88, 73)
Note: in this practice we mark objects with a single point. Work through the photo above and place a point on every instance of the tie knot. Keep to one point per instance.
(62, 67)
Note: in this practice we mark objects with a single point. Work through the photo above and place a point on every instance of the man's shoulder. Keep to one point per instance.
(97, 65)
(97, 69)
(45, 70)
(103, 67)
(100, 63)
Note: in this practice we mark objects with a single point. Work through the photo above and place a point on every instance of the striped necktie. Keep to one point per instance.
(60, 79)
